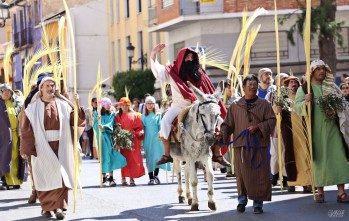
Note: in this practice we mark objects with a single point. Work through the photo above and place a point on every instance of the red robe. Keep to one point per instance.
(204, 84)
(131, 122)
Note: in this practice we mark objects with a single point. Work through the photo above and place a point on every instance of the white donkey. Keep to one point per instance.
(197, 137)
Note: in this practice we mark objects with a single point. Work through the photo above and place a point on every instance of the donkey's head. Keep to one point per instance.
(207, 112)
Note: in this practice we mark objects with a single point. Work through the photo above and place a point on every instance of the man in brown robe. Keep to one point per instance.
(254, 117)
(48, 140)
(294, 140)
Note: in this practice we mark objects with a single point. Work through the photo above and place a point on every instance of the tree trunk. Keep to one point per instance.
(327, 44)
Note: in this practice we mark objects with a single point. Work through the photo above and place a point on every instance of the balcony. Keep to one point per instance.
(197, 8)
(187, 13)
(152, 16)
(22, 38)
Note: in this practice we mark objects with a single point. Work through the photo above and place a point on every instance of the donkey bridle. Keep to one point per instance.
(202, 119)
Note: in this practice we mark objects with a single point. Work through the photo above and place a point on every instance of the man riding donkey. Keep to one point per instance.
(185, 68)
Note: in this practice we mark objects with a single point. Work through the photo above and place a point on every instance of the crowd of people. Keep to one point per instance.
(37, 131)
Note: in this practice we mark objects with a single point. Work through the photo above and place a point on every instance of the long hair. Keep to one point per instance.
(105, 111)
(147, 112)
(120, 110)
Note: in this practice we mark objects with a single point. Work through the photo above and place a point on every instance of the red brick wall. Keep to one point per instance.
(230, 6)
(250, 5)
(169, 13)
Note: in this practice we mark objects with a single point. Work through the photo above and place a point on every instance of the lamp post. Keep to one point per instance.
(4, 13)
(130, 52)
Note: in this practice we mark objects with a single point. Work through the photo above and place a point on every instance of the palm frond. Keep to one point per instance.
(7, 63)
(252, 35)
(29, 63)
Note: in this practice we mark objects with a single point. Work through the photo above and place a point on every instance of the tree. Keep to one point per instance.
(138, 82)
(324, 25)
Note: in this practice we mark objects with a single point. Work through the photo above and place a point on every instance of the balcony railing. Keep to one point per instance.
(22, 38)
(152, 16)
(197, 8)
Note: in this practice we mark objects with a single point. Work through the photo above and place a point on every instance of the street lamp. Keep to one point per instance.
(130, 53)
(4, 13)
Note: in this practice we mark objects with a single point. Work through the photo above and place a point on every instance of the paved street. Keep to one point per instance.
(159, 202)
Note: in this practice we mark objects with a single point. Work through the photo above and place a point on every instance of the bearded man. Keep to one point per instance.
(46, 133)
(185, 68)
(265, 82)
(329, 160)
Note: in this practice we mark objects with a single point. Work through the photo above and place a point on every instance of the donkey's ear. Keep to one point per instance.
(220, 86)
(197, 92)
(219, 90)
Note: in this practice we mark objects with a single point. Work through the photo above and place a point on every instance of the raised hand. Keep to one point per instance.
(157, 49)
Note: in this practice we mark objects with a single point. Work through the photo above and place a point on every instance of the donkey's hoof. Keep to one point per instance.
(181, 199)
(212, 205)
(194, 207)
(190, 201)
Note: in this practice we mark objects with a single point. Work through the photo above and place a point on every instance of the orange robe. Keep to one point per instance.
(131, 122)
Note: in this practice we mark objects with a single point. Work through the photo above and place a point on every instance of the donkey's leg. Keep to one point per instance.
(194, 183)
(187, 183)
(210, 192)
(177, 169)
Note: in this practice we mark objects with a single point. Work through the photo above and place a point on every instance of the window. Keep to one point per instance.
(117, 12)
(139, 6)
(167, 3)
(344, 51)
(264, 47)
(140, 47)
(36, 13)
(111, 12)
(128, 41)
(127, 8)
(177, 47)
(119, 56)
(113, 57)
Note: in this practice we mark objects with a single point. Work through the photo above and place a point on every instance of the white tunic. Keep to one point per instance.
(48, 170)
(178, 101)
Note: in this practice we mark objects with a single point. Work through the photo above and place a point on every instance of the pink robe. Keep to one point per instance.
(131, 122)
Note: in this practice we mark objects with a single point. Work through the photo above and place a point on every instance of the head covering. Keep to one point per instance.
(6, 86)
(44, 79)
(283, 76)
(146, 95)
(150, 99)
(40, 77)
(292, 78)
(174, 71)
(342, 84)
(125, 101)
(262, 71)
(105, 101)
(315, 64)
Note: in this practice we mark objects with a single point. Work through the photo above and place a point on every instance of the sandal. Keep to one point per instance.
(319, 198)
(165, 159)
(46, 214)
(220, 159)
(151, 182)
(132, 182)
(343, 198)
(123, 182)
(157, 181)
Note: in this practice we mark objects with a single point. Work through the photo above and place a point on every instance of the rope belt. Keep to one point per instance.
(248, 147)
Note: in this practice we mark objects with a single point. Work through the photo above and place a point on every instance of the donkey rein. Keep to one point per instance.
(181, 125)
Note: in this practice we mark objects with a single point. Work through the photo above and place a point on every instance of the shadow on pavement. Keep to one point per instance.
(301, 208)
